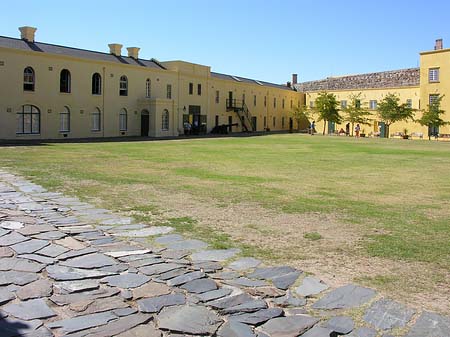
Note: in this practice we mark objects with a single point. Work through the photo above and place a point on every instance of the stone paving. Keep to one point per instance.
(70, 269)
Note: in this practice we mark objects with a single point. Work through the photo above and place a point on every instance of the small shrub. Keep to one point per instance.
(313, 236)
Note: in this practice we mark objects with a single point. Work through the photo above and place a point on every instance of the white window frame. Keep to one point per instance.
(165, 120)
(123, 86)
(96, 120)
(433, 75)
(344, 104)
(373, 104)
(169, 91)
(64, 120)
(28, 78)
(148, 88)
(123, 120)
(28, 120)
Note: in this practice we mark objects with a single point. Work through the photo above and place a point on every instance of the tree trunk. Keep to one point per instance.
(324, 125)
(353, 128)
(386, 130)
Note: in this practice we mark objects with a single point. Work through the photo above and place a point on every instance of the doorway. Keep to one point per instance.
(145, 123)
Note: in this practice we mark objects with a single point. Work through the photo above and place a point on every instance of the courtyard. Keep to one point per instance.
(370, 211)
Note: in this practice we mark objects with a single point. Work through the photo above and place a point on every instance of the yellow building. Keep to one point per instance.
(57, 92)
(417, 87)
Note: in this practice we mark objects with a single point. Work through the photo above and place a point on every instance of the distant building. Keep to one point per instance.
(57, 92)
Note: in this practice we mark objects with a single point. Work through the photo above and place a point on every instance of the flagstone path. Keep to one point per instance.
(70, 269)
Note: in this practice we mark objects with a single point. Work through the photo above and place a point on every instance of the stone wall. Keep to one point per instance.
(385, 79)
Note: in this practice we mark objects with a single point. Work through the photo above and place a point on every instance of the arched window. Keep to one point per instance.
(123, 120)
(96, 120)
(96, 84)
(64, 120)
(148, 88)
(28, 120)
(28, 79)
(165, 120)
(64, 81)
(123, 89)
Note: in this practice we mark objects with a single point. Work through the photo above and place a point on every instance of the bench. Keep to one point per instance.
(397, 134)
(444, 136)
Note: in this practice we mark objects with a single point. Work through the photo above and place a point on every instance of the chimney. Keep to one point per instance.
(294, 79)
(439, 44)
(133, 52)
(115, 49)
(27, 33)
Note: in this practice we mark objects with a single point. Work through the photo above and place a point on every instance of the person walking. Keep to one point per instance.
(357, 130)
(313, 127)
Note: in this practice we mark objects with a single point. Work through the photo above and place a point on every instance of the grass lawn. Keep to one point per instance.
(372, 211)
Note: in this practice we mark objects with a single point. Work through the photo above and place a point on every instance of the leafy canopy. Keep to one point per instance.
(390, 110)
(355, 112)
(327, 109)
(431, 117)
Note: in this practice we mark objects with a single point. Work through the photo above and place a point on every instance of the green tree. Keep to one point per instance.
(390, 111)
(431, 117)
(355, 112)
(326, 107)
(301, 114)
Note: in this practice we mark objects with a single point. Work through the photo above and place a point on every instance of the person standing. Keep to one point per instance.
(347, 129)
(357, 130)
(313, 127)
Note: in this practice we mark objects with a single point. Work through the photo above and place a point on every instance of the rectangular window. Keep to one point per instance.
(95, 121)
(282, 122)
(254, 100)
(217, 120)
(282, 104)
(373, 104)
(274, 121)
(123, 120)
(265, 101)
(169, 91)
(358, 104)
(311, 104)
(217, 96)
(291, 103)
(433, 98)
(265, 121)
(28, 120)
(433, 75)
(243, 98)
(344, 104)
(274, 102)
(191, 88)
(64, 121)
(199, 89)
(409, 103)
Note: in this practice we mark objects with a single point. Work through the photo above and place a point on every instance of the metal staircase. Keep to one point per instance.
(241, 109)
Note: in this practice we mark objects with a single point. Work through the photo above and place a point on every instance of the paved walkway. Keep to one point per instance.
(68, 268)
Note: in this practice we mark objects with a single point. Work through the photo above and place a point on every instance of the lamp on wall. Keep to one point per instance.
(184, 108)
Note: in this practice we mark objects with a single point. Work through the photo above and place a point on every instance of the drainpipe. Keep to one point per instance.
(103, 101)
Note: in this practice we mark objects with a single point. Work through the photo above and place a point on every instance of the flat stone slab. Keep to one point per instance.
(117, 254)
(37, 258)
(214, 294)
(200, 286)
(68, 287)
(311, 286)
(52, 250)
(285, 281)
(318, 331)
(6, 252)
(246, 282)
(12, 239)
(218, 255)
(340, 324)
(19, 278)
(168, 239)
(88, 296)
(29, 310)
(349, 296)
(155, 304)
(150, 289)
(10, 327)
(230, 301)
(250, 306)
(208, 266)
(70, 243)
(235, 329)
(62, 273)
(244, 264)
(79, 323)
(55, 235)
(74, 253)
(289, 300)
(258, 317)
(182, 279)
(363, 332)
(158, 268)
(269, 273)
(195, 320)
(90, 261)
(141, 233)
(30, 246)
(6, 295)
(99, 305)
(430, 325)
(191, 244)
(36, 229)
(126, 281)
(13, 263)
(291, 326)
(36, 289)
(11, 224)
(386, 314)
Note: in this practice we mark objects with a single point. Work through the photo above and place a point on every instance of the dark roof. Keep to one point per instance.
(385, 79)
(248, 80)
(20, 44)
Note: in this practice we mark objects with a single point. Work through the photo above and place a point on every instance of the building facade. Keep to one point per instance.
(57, 92)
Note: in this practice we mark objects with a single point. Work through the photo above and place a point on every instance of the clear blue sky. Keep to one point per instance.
(261, 39)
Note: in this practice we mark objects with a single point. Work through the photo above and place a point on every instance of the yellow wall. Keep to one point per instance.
(82, 103)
